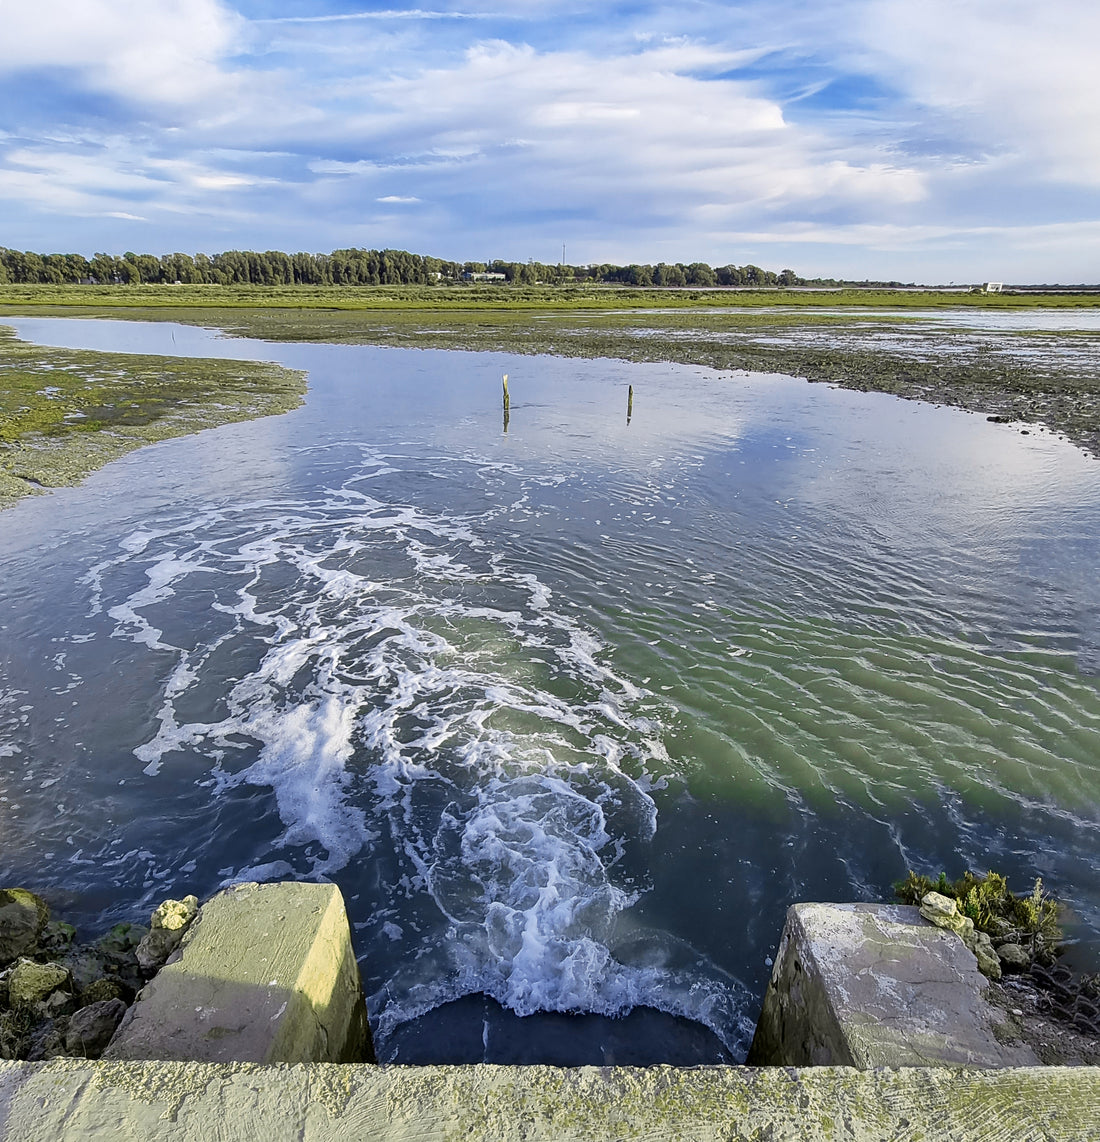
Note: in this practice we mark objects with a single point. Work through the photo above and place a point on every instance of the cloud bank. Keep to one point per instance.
(880, 138)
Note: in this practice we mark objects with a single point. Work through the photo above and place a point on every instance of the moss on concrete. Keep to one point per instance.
(266, 974)
(68, 1099)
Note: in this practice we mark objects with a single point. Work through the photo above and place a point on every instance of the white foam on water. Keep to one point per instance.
(406, 694)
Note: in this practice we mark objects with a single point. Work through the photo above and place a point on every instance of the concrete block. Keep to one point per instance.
(266, 974)
(70, 1100)
(873, 985)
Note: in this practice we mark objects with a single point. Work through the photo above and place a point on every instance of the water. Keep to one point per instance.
(571, 714)
(1027, 319)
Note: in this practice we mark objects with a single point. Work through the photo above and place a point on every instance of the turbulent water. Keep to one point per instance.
(570, 712)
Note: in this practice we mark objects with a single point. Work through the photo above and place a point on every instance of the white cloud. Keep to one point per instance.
(154, 50)
(378, 15)
(640, 131)
(108, 179)
(1020, 78)
(563, 126)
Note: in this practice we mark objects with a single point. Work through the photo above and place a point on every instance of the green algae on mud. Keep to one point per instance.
(1029, 379)
(65, 412)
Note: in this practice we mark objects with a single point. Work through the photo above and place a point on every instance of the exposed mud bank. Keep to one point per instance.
(1033, 378)
(65, 412)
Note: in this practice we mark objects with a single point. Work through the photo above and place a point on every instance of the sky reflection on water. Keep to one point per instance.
(571, 714)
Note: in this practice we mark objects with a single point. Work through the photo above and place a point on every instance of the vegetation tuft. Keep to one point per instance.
(993, 907)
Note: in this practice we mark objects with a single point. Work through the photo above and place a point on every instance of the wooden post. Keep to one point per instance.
(507, 405)
(629, 402)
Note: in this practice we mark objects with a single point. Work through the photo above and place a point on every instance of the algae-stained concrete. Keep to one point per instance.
(874, 985)
(266, 974)
(75, 1100)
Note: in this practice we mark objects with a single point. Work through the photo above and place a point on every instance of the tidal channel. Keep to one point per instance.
(571, 708)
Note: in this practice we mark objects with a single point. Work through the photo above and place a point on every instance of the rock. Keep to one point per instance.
(45, 1042)
(91, 1028)
(944, 913)
(940, 910)
(156, 947)
(102, 990)
(30, 982)
(57, 938)
(988, 962)
(122, 939)
(86, 967)
(175, 915)
(1014, 957)
(56, 1004)
(166, 927)
(23, 915)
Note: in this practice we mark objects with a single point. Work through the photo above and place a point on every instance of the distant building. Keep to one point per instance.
(992, 287)
(483, 277)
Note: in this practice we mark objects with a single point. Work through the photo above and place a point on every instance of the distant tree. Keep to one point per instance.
(356, 267)
(104, 268)
(179, 268)
(33, 268)
(203, 269)
(50, 270)
(700, 274)
(665, 275)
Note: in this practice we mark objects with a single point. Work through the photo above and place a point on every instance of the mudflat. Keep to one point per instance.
(65, 412)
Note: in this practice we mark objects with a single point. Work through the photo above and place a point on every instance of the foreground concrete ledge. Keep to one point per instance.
(266, 974)
(123, 1101)
(874, 985)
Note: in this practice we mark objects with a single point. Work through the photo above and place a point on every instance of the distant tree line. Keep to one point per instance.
(354, 268)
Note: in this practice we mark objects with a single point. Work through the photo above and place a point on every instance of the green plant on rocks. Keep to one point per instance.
(993, 907)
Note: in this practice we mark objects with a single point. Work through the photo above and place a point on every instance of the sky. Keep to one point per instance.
(932, 141)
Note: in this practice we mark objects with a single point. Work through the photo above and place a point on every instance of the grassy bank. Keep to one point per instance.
(858, 339)
(500, 297)
(64, 413)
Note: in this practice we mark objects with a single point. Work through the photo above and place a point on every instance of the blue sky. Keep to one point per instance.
(924, 140)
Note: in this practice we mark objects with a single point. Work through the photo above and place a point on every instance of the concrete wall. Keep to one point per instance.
(73, 1100)
(874, 985)
(266, 974)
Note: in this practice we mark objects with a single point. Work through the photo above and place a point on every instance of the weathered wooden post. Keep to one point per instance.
(629, 402)
(507, 404)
